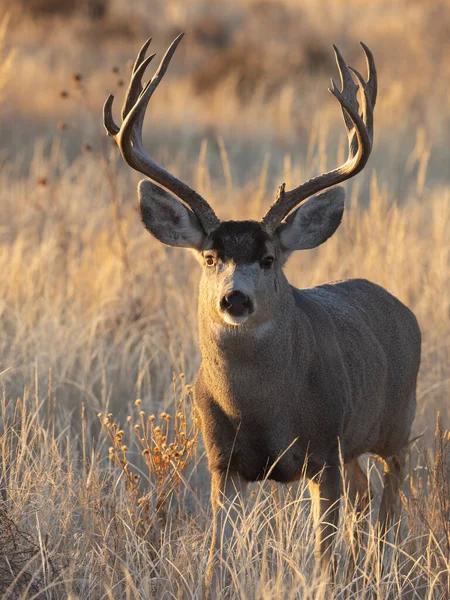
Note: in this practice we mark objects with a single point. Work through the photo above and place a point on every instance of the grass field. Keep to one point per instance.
(98, 318)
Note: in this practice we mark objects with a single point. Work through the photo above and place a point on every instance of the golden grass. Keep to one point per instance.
(94, 313)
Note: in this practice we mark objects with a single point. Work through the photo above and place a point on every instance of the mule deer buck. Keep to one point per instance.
(289, 377)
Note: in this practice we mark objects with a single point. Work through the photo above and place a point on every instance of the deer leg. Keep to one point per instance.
(358, 485)
(326, 493)
(358, 494)
(228, 493)
(390, 507)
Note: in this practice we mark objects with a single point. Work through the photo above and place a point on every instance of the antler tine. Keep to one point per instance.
(135, 93)
(349, 87)
(134, 120)
(134, 90)
(360, 135)
(350, 91)
(135, 86)
(367, 108)
(141, 54)
(129, 136)
(108, 120)
(372, 82)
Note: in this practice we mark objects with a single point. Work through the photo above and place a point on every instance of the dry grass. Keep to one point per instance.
(95, 314)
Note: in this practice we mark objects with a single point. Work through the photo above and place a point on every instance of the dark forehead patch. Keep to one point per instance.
(240, 241)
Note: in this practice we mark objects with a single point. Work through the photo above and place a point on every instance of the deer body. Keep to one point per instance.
(290, 380)
(330, 367)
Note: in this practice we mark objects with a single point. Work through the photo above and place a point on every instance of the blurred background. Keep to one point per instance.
(254, 71)
(87, 295)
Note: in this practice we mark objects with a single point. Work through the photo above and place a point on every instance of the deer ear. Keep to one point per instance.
(170, 221)
(314, 222)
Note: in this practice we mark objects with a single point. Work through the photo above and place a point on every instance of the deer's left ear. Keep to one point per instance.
(314, 222)
(170, 221)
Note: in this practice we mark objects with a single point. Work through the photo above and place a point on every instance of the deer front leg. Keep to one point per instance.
(325, 494)
(228, 493)
(359, 492)
(390, 507)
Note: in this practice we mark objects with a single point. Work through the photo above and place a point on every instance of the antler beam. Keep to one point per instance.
(360, 139)
(129, 135)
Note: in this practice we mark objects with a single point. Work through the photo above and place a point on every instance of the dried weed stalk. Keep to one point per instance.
(167, 444)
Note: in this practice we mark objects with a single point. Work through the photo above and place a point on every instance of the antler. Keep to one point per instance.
(129, 135)
(360, 139)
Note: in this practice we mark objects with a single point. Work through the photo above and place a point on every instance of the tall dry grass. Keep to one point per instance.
(95, 314)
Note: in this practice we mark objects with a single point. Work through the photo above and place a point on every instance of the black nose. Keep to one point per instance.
(236, 304)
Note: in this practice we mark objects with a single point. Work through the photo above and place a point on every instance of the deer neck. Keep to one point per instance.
(238, 361)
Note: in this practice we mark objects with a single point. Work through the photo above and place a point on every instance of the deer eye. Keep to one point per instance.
(267, 262)
(210, 261)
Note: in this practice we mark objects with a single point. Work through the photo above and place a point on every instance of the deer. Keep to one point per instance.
(292, 382)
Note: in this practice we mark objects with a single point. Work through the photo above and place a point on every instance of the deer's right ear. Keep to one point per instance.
(170, 221)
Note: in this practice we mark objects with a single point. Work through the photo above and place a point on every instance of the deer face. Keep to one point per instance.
(242, 263)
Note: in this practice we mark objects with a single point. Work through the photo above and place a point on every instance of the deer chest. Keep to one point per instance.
(256, 450)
